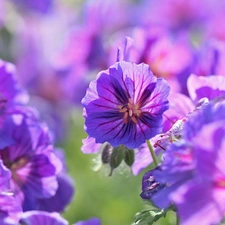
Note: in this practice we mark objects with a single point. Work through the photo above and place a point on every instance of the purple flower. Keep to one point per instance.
(194, 170)
(182, 14)
(124, 105)
(149, 185)
(40, 6)
(64, 193)
(209, 87)
(30, 158)
(10, 91)
(91, 221)
(10, 209)
(180, 106)
(42, 218)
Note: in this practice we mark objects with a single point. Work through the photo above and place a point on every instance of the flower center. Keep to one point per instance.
(14, 166)
(131, 111)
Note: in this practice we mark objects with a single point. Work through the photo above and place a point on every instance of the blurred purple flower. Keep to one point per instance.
(194, 170)
(180, 106)
(10, 209)
(31, 160)
(39, 6)
(64, 193)
(91, 221)
(42, 218)
(189, 15)
(206, 87)
(124, 105)
(10, 91)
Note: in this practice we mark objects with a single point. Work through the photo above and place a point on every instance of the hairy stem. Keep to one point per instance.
(152, 153)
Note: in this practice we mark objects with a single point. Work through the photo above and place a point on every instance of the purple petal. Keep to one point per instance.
(209, 87)
(90, 145)
(42, 218)
(92, 221)
(142, 159)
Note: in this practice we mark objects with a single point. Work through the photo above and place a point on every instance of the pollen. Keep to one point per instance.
(131, 111)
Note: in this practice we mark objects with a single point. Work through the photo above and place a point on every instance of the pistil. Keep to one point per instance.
(131, 111)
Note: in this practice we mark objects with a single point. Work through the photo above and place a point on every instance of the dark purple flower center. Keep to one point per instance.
(14, 165)
(131, 111)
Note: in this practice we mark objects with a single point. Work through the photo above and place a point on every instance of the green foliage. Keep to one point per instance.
(150, 216)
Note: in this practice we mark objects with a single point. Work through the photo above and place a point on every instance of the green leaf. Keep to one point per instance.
(149, 216)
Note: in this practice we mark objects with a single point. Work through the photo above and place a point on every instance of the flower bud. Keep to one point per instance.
(106, 153)
(116, 158)
(129, 157)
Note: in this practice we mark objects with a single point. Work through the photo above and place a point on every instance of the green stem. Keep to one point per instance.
(152, 153)
(177, 220)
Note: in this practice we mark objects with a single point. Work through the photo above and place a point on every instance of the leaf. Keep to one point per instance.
(148, 217)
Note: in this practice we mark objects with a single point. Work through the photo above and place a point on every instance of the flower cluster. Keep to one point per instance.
(32, 175)
(150, 78)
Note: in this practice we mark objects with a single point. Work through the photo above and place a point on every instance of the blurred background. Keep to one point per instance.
(59, 46)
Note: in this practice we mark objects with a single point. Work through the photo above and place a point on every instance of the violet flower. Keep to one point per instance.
(91, 221)
(62, 198)
(42, 218)
(30, 158)
(10, 91)
(194, 171)
(124, 105)
(10, 209)
(206, 87)
(39, 6)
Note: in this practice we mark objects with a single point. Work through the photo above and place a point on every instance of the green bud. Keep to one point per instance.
(116, 158)
(106, 153)
(129, 157)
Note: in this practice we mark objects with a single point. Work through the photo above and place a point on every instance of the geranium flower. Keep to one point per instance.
(29, 155)
(9, 207)
(194, 171)
(124, 105)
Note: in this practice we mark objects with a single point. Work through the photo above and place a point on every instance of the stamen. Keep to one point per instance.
(130, 112)
(125, 118)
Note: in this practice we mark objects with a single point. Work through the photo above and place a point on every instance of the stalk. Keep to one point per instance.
(152, 153)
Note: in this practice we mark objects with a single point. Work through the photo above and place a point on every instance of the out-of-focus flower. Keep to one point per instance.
(206, 87)
(41, 218)
(124, 105)
(30, 158)
(39, 6)
(193, 169)
(176, 15)
(180, 106)
(12, 96)
(10, 208)
(91, 221)
(10, 91)
(64, 193)
(209, 59)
